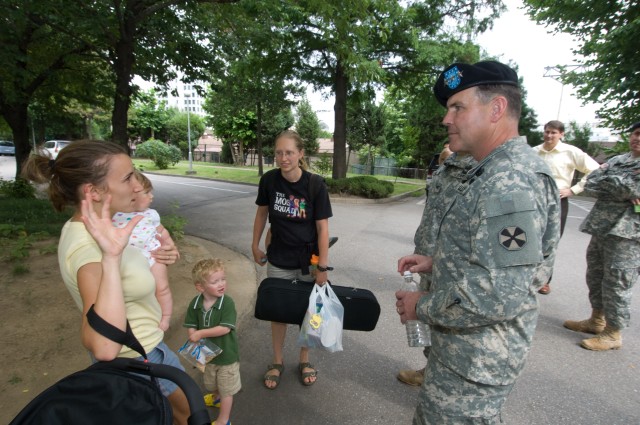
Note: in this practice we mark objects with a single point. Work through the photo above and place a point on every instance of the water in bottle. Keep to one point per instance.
(418, 333)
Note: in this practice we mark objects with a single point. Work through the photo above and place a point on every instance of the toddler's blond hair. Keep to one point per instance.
(204, 268)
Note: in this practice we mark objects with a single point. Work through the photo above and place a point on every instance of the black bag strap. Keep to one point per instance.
(315, 181)
(107, 330)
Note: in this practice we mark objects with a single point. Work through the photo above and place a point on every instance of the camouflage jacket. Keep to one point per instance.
(614, 187)
(497, 231)
(452, 170)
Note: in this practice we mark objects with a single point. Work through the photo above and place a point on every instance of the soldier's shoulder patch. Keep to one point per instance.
(512, 238)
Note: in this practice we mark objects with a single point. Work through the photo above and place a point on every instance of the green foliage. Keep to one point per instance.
(162, 155)
(19, 188)
(365, 121)
(32, 216)
(579, 136)
(607, 33)
(308, 126)
(176, 129)
(20, 269)
(174, 223)
(19, 250)
(365, 186)
(323, 164)
(619, 148)
(147, 116)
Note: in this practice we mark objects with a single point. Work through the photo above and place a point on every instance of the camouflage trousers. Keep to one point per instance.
(447, 398)
(612, 270)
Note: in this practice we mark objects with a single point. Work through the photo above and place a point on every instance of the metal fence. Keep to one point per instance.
(383, 170)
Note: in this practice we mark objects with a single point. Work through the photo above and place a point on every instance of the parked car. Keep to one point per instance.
(54, 147)
(7, 148)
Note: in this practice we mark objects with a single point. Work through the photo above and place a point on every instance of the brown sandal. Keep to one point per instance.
(273, 378)
(305, 375)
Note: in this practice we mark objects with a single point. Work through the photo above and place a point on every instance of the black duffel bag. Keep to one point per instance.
(286, 301)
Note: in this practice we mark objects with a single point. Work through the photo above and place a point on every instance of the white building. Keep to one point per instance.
(180, 95)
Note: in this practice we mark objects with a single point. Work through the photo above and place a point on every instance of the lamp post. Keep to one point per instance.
(190, 170)
(556, 72)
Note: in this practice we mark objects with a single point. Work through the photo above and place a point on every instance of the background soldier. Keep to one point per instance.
(613, 255)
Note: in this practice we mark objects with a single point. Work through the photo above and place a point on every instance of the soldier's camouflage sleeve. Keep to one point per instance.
(614, 188)
(620, 181)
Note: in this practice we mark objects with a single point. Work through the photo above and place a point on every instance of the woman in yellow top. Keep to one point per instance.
(97, 264)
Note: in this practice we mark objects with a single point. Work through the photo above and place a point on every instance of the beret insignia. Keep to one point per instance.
(453, 77)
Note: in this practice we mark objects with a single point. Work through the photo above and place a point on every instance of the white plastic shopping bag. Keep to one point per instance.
(322, 324)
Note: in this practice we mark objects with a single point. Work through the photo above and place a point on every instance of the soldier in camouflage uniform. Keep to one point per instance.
(451, 171)
(613, 255)
(494, 246)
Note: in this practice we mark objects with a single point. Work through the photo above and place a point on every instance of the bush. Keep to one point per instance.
(162, 155)
(324, 164)
(17, 189)
(365, 186)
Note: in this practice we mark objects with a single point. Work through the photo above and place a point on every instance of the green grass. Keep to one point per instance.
(34, 216)
(206, 170)
(249, 174)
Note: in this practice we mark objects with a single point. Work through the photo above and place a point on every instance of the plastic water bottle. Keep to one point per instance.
(418, 333)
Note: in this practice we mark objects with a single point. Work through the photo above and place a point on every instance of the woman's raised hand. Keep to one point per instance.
(111, 239)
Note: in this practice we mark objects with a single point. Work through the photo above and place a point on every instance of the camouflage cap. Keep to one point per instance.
(461, 76)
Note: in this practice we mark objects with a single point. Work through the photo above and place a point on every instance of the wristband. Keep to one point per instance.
(324, 269)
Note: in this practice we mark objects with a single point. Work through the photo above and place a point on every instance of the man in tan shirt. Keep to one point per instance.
(564, 160)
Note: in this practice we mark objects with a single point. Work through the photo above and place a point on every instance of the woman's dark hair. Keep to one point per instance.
(81, 162)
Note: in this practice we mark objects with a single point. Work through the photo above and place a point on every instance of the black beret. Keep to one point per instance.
(461, 76)
(634, 126)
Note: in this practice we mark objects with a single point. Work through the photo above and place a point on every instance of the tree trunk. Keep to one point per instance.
(340, 132)
(123, 66)
(259, 137)
(17, 119)
(240, 153)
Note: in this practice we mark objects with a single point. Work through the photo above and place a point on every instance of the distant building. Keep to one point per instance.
(180, 95)
(209, 147)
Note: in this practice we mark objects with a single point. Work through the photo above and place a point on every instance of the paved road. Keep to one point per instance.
(562, 383)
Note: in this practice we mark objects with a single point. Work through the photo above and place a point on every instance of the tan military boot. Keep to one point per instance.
(594, 325)
(411, 377)
(608, 339)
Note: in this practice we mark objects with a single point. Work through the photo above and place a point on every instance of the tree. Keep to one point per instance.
(365, 123)
(330, 45)
(308, 127)
(176, 130)
(32, 54)
(147, 116)
(65, 39)
(608, 33)
(579, 136)
(254, 80)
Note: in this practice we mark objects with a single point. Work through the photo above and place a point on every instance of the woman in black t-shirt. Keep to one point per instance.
(299, 228)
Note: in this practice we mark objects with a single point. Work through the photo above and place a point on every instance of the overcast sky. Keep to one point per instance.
(514, 37)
